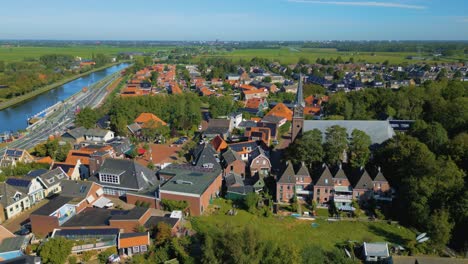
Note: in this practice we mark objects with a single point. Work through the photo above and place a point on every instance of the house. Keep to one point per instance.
(119, 176)
(98, 239)
(255, 93)
(160, 155)
(243, 149)
(51, 180)
(232, 163)
(216, 127)
(259, 162)
(145, 120)
(173, 221)
(74, 198)
(98, 135)
(133, 243)
(281, 110)
(375, 252)
(364, 186)
(218, 143)
(206, 156)
(12, 248)
(323, 187)
(12, 201)
(293, 182)
(256, 105)
(273, 123)
(259, 134)
(234, 120)
(196, 185)
(76, 135)
(13, 156)
(32, 187)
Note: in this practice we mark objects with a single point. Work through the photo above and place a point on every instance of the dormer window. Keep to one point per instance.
(109, 178)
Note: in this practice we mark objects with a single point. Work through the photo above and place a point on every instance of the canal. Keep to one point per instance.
(15, 117)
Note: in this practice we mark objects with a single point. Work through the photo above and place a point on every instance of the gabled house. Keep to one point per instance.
(281, 110)
(119, 176)
(324, 185)
(259, 162)
(145, 120)
(294, 183)
(218, 143)
(206, 156)
(133, 243)
(232, 163)
(12, 201)
(29, 186)
(51, 181)
(243, 149)
(13, 156)
(221, 127)
(364, 186)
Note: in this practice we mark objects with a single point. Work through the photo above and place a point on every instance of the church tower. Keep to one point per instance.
(298, 115)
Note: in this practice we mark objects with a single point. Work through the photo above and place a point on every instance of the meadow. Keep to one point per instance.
(300, 232)
(10, 54)
(290, 55)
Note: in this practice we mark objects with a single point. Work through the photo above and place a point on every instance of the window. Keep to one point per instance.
(326, 181)
(108, 178)
(325, 199)
(326, 190)
(264, 162)
(232, 168)
(143, 248)
(318, 191)
(136, 249)
(257, 162)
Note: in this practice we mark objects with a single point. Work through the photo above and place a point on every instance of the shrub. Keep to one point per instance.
(171, 205)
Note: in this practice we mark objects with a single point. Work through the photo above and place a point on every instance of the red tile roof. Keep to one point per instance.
(281, 110)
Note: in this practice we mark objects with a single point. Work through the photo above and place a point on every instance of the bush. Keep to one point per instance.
(87, 255)
(104, 255)
(73, 260)
(170, 205)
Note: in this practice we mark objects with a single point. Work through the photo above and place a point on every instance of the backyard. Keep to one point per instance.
(301, 232)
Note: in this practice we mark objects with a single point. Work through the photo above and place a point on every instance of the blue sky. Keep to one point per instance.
(235, 19)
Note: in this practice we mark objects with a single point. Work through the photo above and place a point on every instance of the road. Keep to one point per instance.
(61, 119)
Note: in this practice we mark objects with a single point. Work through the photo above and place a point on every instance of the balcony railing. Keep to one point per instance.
(342, 197)
(104, 244)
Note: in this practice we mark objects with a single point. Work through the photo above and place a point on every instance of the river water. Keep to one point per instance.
(15, 117)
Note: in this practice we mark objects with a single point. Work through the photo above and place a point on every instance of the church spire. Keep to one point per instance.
(299, 95)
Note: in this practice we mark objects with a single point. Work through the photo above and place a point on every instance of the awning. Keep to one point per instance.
(346, 208)
(101, 202)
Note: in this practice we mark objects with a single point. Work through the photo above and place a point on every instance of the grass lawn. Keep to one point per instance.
(300, 232)
(289, 55)
(9, 54)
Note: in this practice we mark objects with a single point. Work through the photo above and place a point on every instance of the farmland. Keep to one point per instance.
(11, 54)
(289, 55)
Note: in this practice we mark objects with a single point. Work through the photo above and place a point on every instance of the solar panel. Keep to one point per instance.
(85, 232)
(119, 212)
(83, 188)
(18, 182)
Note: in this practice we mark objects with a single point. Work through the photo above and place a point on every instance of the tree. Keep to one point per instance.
(307, 148)
(162, 233)
(336, 142)
(267, 79)
(313, 89)
(154, 78)
(55, 250)
(104, 255)
(87, 118)
(251, 202)
(359, 148)
(88, 255)
(439, 228)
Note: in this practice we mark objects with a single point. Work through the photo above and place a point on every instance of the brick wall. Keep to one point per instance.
(322, 194)
(132, 199)
(211, 192)
(193, 202)
(237, 167)
(282, 196)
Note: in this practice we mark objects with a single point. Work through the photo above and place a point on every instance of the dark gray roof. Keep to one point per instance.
(272, 119)
(75, 189)
(379, 131)
(206, 156)
(120, 145)
(303, 170)
(340, 174)
(212, 131)
(53, 205)
(16, 153)
(13, 243)
(215, 122)
(35, 173)
(135, 213)
(364, 181)
(155, 220)
(247, 123)
(229, 157)
(241, 189)
(130, 235)
(233, 178)
(258, 151)
(77, 132)
(90, 217)
(7, 193)
(53, 177)
(380, 177)
(326, 178)
(132, 175)
(238, 147)
(189, 179)
(288, 175)
(25, 259)
(134, 127)
(96, 132)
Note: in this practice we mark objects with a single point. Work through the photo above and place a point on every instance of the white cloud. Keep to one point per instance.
(363, 3)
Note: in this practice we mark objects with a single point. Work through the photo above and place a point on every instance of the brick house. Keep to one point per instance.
(196, 185)
(259, 162)
(292, 183)
(323, 187)
(232, 162)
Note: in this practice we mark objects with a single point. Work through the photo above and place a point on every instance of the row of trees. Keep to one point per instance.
(311, 149)
(182, 112)
(445, 102)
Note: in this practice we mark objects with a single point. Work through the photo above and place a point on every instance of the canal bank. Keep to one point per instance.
(15, 117)
(39, 91)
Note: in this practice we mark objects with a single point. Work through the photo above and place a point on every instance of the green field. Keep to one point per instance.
(289, 55)
(300, 232)
(9, 54)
